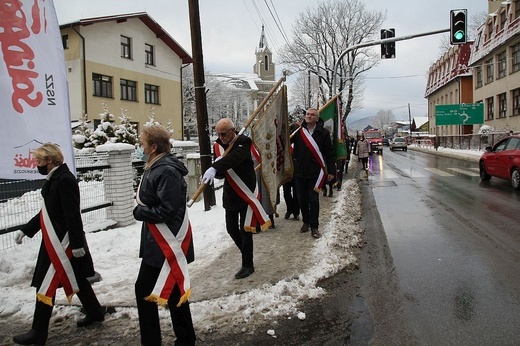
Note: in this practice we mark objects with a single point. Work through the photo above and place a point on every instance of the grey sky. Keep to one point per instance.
(231, 31)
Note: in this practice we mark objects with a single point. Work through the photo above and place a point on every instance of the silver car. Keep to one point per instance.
(399, 143)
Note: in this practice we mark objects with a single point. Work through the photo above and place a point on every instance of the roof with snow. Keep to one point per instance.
(159, 32)
(420, 121)
(239, 80)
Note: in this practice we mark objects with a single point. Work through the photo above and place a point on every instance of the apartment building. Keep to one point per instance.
(495, 60)
(450, 82)
(124, 62)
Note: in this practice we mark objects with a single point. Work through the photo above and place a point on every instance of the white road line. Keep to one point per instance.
(464, 171)
(439, 172)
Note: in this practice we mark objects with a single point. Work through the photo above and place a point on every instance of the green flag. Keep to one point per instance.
(330, 113)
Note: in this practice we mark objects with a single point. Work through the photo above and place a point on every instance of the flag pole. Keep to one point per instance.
(242, 130)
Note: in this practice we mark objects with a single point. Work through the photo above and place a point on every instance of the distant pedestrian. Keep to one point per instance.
(363, 151)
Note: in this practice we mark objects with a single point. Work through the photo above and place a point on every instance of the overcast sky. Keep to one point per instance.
(231, 31)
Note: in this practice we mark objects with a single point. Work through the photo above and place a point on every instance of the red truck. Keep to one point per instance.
(375, 138)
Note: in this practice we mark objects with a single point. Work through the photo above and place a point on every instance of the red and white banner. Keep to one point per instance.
(34, 96)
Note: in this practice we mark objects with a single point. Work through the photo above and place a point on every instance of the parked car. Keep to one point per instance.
(399, 143)
(502, 161)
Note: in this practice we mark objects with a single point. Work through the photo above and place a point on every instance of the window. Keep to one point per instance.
(512, 144)
(503, 17)
(489, 108)
(65, 41)
(101, 85)
(516, 102)
(149, 58)
(490, 29)
(266, 63)
(515, 56)
(126, 47)
(502, 105)
(517, 9)
(502, 65)
(151, 94)
(128, 90)
(479, 76)
(489, 70)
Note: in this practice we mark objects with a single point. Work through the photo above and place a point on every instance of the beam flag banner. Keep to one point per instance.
(34, 99)
(330, 113)
(270, 136)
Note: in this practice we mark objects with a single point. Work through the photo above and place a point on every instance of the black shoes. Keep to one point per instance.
(315, 233)
(32, 337)
(99, 316)
(244, 272)
(287, 215)
(296, 217)
(305, 228)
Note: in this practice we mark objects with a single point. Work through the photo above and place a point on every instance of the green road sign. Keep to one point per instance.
(459, 114)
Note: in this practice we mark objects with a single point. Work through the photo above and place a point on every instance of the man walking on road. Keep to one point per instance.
(314, 163)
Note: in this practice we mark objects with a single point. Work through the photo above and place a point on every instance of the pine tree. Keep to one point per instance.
(81, 138)
(126, 132)
(106, 129)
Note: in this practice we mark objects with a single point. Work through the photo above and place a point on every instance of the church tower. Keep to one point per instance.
(264, 66)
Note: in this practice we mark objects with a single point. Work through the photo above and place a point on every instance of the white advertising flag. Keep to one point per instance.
(34, 97)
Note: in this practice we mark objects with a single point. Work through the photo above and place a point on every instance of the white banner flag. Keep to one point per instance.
(34, 97)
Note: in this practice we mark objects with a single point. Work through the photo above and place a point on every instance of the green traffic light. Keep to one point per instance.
(459, 35)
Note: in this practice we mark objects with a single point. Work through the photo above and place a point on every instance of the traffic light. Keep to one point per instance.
(387, 49)
(458, 26)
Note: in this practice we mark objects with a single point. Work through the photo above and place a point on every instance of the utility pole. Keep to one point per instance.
(200, 99)
(409, 121)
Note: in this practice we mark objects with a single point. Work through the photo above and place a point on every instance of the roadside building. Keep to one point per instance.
(450, 82)
(125, 61)
(495, 60)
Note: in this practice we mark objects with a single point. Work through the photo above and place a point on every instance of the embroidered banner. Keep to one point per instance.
(270, 136)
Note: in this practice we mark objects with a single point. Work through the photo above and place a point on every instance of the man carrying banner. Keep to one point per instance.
(314, 163)
(166, 240)
(240, 196)
(64, 259)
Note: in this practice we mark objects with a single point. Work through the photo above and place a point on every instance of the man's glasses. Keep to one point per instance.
(224, 134)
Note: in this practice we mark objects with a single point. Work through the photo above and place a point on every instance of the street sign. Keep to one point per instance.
(459, 114)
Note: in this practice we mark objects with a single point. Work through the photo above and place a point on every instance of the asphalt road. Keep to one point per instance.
(455, 243)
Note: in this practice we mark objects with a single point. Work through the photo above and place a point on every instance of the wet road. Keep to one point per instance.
(455, 242)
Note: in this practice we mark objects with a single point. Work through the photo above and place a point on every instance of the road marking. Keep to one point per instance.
(439, 172)
(464, 171)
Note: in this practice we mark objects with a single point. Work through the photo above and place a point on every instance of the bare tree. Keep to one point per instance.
(383, 118)
(321, 34)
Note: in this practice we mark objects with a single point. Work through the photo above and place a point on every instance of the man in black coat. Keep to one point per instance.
(240, 161)
(308, 167)
(62, 207)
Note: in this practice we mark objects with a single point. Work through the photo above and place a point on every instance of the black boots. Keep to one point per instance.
(98, 316)
(32, 337)
(244, 272)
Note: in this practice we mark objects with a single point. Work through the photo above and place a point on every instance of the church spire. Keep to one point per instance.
(263, 41)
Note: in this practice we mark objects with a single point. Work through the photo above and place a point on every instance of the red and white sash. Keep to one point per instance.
(255, 214)
(60, 271)
(315, 150)
(175, 267)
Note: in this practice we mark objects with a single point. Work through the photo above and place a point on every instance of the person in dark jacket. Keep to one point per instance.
(311, 141)
(59, 218)
(161, 199)
(240, 161)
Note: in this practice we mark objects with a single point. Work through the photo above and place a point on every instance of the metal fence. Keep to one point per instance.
(20, 200)
(477, 142)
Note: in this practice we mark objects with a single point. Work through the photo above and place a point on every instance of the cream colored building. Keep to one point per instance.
(449, 82)
(126, 62)
(495, 59)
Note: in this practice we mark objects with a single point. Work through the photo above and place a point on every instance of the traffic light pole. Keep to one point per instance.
(375, 43)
